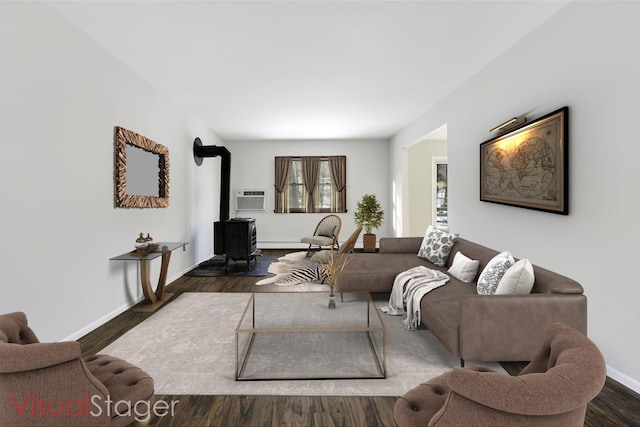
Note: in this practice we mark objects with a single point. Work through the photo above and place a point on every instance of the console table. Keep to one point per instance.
(152, 300)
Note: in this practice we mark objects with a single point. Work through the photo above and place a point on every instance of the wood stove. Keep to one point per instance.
(234, 238)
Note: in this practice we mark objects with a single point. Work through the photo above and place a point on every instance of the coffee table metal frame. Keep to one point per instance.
(373, 326)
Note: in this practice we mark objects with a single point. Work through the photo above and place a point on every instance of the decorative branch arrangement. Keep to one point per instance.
(333, 267)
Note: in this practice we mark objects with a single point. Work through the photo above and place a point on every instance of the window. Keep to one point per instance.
(310, 184)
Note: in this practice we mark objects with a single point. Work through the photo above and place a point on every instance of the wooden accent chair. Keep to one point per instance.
(350, 243)
(552, 390)
(346, 248)
(51, 384)
(325, 234)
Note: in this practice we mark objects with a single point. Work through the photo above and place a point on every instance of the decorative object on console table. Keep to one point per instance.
(369, 215)
(141, 242)
(144, 250)
(333, 267)
(144, 245)
(153, 300)
(528, 167)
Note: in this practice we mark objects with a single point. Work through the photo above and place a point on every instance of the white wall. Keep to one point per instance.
(586, 57)
(61, 97)
(253, 166)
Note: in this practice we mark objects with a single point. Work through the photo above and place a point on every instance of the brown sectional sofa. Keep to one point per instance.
(471, 326)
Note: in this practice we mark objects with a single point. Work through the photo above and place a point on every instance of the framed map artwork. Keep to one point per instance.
(528, 167)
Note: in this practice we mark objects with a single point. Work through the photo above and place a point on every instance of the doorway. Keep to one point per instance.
(421, 197)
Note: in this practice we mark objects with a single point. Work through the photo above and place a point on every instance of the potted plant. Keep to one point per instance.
(369, 215)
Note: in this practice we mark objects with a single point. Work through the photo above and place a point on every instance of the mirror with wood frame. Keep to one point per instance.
(141, 171)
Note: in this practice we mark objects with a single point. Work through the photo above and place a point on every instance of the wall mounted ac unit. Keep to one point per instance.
(251, 200)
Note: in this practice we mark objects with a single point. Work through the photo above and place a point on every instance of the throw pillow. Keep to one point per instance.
(436, 246)
(423, 245)
(493, 272)
(326, 230)
(464, 268)
(518, 279)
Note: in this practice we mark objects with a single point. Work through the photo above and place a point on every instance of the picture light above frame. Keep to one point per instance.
(141, 171)
(528, 166)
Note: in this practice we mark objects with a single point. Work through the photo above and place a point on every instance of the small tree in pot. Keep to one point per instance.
(369, 215)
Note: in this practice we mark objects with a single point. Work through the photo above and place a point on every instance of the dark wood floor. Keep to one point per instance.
(616, 405)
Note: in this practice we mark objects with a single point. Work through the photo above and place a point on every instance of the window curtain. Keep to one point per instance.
(310, 170)
(338, 165)
(283, 168)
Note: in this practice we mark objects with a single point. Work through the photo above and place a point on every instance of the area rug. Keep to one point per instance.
(214, 267)
(188, 347)
(293, 269)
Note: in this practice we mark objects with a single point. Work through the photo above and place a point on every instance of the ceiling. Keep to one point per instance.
(253, 70)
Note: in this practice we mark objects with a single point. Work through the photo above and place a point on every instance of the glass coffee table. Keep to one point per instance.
(294, 335)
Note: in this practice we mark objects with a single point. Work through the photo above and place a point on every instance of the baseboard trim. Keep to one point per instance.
(101, 321)
(623, 379)
(124, 307)
(279, 244)
(286, 244)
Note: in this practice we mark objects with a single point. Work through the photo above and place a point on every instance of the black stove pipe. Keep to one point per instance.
(199, 152)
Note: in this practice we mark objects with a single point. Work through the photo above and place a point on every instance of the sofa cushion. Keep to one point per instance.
(464, 268)
(440, 310)
(518, 279)
(375, 272)
(436, 246)
(473, 251)
(400, 245)
(493, 272)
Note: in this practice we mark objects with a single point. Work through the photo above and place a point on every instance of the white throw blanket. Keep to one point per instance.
(408, 289)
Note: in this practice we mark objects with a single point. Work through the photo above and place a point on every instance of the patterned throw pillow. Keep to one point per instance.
(423, 245)
(436, 246)
(493, 272)
(518, 279)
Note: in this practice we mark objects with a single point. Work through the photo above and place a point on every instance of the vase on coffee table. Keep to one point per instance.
(332, 299)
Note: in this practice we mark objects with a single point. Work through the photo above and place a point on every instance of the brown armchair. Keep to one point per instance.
(552, 390)
(51, 384)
